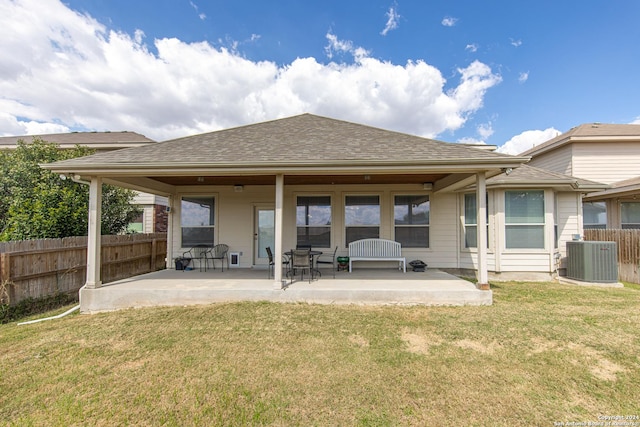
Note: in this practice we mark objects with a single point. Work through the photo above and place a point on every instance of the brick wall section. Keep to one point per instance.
(160, 219)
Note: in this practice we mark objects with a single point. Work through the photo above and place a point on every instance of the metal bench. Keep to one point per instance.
(376, 250)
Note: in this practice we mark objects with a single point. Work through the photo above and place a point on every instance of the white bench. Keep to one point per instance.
(376, 250)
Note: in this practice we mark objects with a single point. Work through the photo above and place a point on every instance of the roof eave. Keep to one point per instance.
(464, 164)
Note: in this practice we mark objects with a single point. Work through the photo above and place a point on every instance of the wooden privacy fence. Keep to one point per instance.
(39, 268)
(628, 250)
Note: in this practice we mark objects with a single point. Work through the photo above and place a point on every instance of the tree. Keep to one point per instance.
(36, 203)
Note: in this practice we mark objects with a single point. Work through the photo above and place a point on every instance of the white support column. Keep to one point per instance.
(481, 215)
(170, 223)
(94, 234)
(277, 255)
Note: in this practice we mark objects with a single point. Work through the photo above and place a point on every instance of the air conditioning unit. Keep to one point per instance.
(592, 261)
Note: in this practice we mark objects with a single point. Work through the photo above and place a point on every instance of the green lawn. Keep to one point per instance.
(542, 354)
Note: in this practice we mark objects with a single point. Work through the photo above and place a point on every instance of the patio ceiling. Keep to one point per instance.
(300, 179)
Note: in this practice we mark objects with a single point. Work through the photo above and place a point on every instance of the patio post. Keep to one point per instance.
(94, 234)
(277, 267)
(481, 215)
(169, 259)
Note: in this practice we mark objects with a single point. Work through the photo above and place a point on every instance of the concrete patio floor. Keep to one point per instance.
(363, 287)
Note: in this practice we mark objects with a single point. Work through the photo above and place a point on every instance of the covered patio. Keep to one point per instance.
(312, 180)
(362, 286)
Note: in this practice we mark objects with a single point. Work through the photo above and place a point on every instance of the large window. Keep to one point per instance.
(630, 214)
(361, 217)
(471, 221)
(411, 216)
(197, 220)
(594, 215)
(313, 221)
(524, 219)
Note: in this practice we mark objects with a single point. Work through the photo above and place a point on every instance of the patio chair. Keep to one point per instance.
(285, 262)
(301, 260)
(219, 251)
(331, 261)
(271, 261)
(197, 252)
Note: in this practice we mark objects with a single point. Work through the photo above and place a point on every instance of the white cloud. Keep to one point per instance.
(485, 130)
(10, 125)
(636, 121)
(523, 77)
(337, 46)
(471, 141)
(449, 21)
(392, 21)
(65, 70)
(202, 16)
(516, 43)
(527, 139)
(472, 47)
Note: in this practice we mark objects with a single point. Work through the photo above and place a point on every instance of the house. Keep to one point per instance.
(326, 182)
(607, 153)
(154, 216)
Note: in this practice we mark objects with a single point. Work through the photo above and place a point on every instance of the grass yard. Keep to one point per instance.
(542, 354)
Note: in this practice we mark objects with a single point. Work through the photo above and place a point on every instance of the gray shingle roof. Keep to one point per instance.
(589, 131)
(96, 140)
(526, 174)
(298, 140)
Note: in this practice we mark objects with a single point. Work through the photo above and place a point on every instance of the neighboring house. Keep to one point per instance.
(326, 182)
(607, 153)
(154, 215)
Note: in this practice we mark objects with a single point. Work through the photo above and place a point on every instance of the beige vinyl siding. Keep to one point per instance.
(444, 232)
(569, 218)
(556, 161)
(147, 219)
(149, 199)
(606, 162)
(525, 261)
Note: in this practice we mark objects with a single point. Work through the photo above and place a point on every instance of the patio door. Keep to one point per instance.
(263, 234)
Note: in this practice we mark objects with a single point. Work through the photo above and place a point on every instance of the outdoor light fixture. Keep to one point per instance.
(238, 188)
(201, 179)
(427, 186)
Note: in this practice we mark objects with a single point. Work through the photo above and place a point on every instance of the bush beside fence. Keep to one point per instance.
(628, 242)
(41, 268)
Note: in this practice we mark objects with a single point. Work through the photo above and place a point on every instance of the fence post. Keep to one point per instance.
(5, 276)
(154, 251)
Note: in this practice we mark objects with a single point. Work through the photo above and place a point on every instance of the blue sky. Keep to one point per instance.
(507, 73)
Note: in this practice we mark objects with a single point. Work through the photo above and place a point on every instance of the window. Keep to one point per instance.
(313, 221)
(411, 216)
(524, 219)
(361, 217)
(594, 215)
(197, 220)
(471, 221)
(630, 215)
(137, 225)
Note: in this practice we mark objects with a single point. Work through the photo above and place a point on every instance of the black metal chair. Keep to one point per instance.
(285, 262)
(219, 251)
(301, 261)
(197, 252)
(271, 261)
(331, 261)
